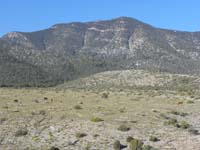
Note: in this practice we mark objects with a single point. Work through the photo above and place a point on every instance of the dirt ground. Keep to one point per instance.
(40, 119)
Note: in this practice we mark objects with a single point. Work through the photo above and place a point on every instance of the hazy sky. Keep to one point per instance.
(31, 15)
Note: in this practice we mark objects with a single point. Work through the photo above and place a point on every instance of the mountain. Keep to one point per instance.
(69, 51)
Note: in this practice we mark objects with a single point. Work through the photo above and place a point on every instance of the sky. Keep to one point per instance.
(32, 15)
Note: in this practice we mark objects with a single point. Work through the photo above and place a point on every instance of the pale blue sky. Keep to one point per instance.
(31, 15)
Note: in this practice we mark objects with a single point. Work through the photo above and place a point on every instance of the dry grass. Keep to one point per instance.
(141, 112)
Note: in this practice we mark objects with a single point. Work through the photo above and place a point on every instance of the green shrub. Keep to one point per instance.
(193, 131)
(117, 145)
(147, 147)
(136, 144)
(21, 132)
(190, 102)
(129, 139)
(182, 114)
(124, 128)
(153, 139)
(16, 100)
(184, 125)
(162, 115)
(77, 107)
(172, 121)
(96, 119)
(54, 148)
(42, 112)
(105, 95)
(2, 120)
(81, 135)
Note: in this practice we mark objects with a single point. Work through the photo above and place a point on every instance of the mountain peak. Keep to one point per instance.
(72, 50)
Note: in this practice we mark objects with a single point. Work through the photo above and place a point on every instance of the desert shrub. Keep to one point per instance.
(136, 144)
(45, 98)
(96, 119)
(184, 125)
(193, 131)
(129, 139)
(122, 110)
(77, 107)
(54, 148)
(2, 120)
(162, 115)
(80, 135)
(96, 135)
(153, 139)
(21, 132)
(190, 102)
(88, 146)
(117, 145)
(123, 128)
(147, 147)
(105, 95)
(16, 100)
(172, 121)
(133, 121)
(182, 114)
(42, 112)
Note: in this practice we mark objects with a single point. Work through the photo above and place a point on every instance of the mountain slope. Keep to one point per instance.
(14, 72)
(69, 51)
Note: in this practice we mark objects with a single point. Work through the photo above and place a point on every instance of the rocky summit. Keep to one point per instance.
(72, 50)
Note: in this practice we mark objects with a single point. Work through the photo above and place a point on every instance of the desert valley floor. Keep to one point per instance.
(76, 119)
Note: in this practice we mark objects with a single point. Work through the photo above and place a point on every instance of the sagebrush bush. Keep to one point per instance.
(184, 125)
(96, 119)
(193, 131)
(80, 135)
(153, 139)
(136, 144)
(21, 132)
(117, 145)
(77, 107)
(105, 95)
(123, 128)
(190, 102)
(129, 139)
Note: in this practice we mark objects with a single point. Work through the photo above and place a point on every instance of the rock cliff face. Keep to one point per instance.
(68, 51)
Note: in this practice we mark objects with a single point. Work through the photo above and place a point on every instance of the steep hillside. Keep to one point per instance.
(69, 51)
(14, 72)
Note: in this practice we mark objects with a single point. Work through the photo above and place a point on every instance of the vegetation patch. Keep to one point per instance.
(105, 95)
(193, 131)
(129, 139)
(21, 132)
(153, 139)
(117, 145)
(80, 135)
(123, 128)
(182, 114)
(77, 107)
(190, 102)
(136, 144)
(96, 119)
(184, 125)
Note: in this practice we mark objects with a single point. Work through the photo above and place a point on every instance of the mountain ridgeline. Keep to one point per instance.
(69, 51)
